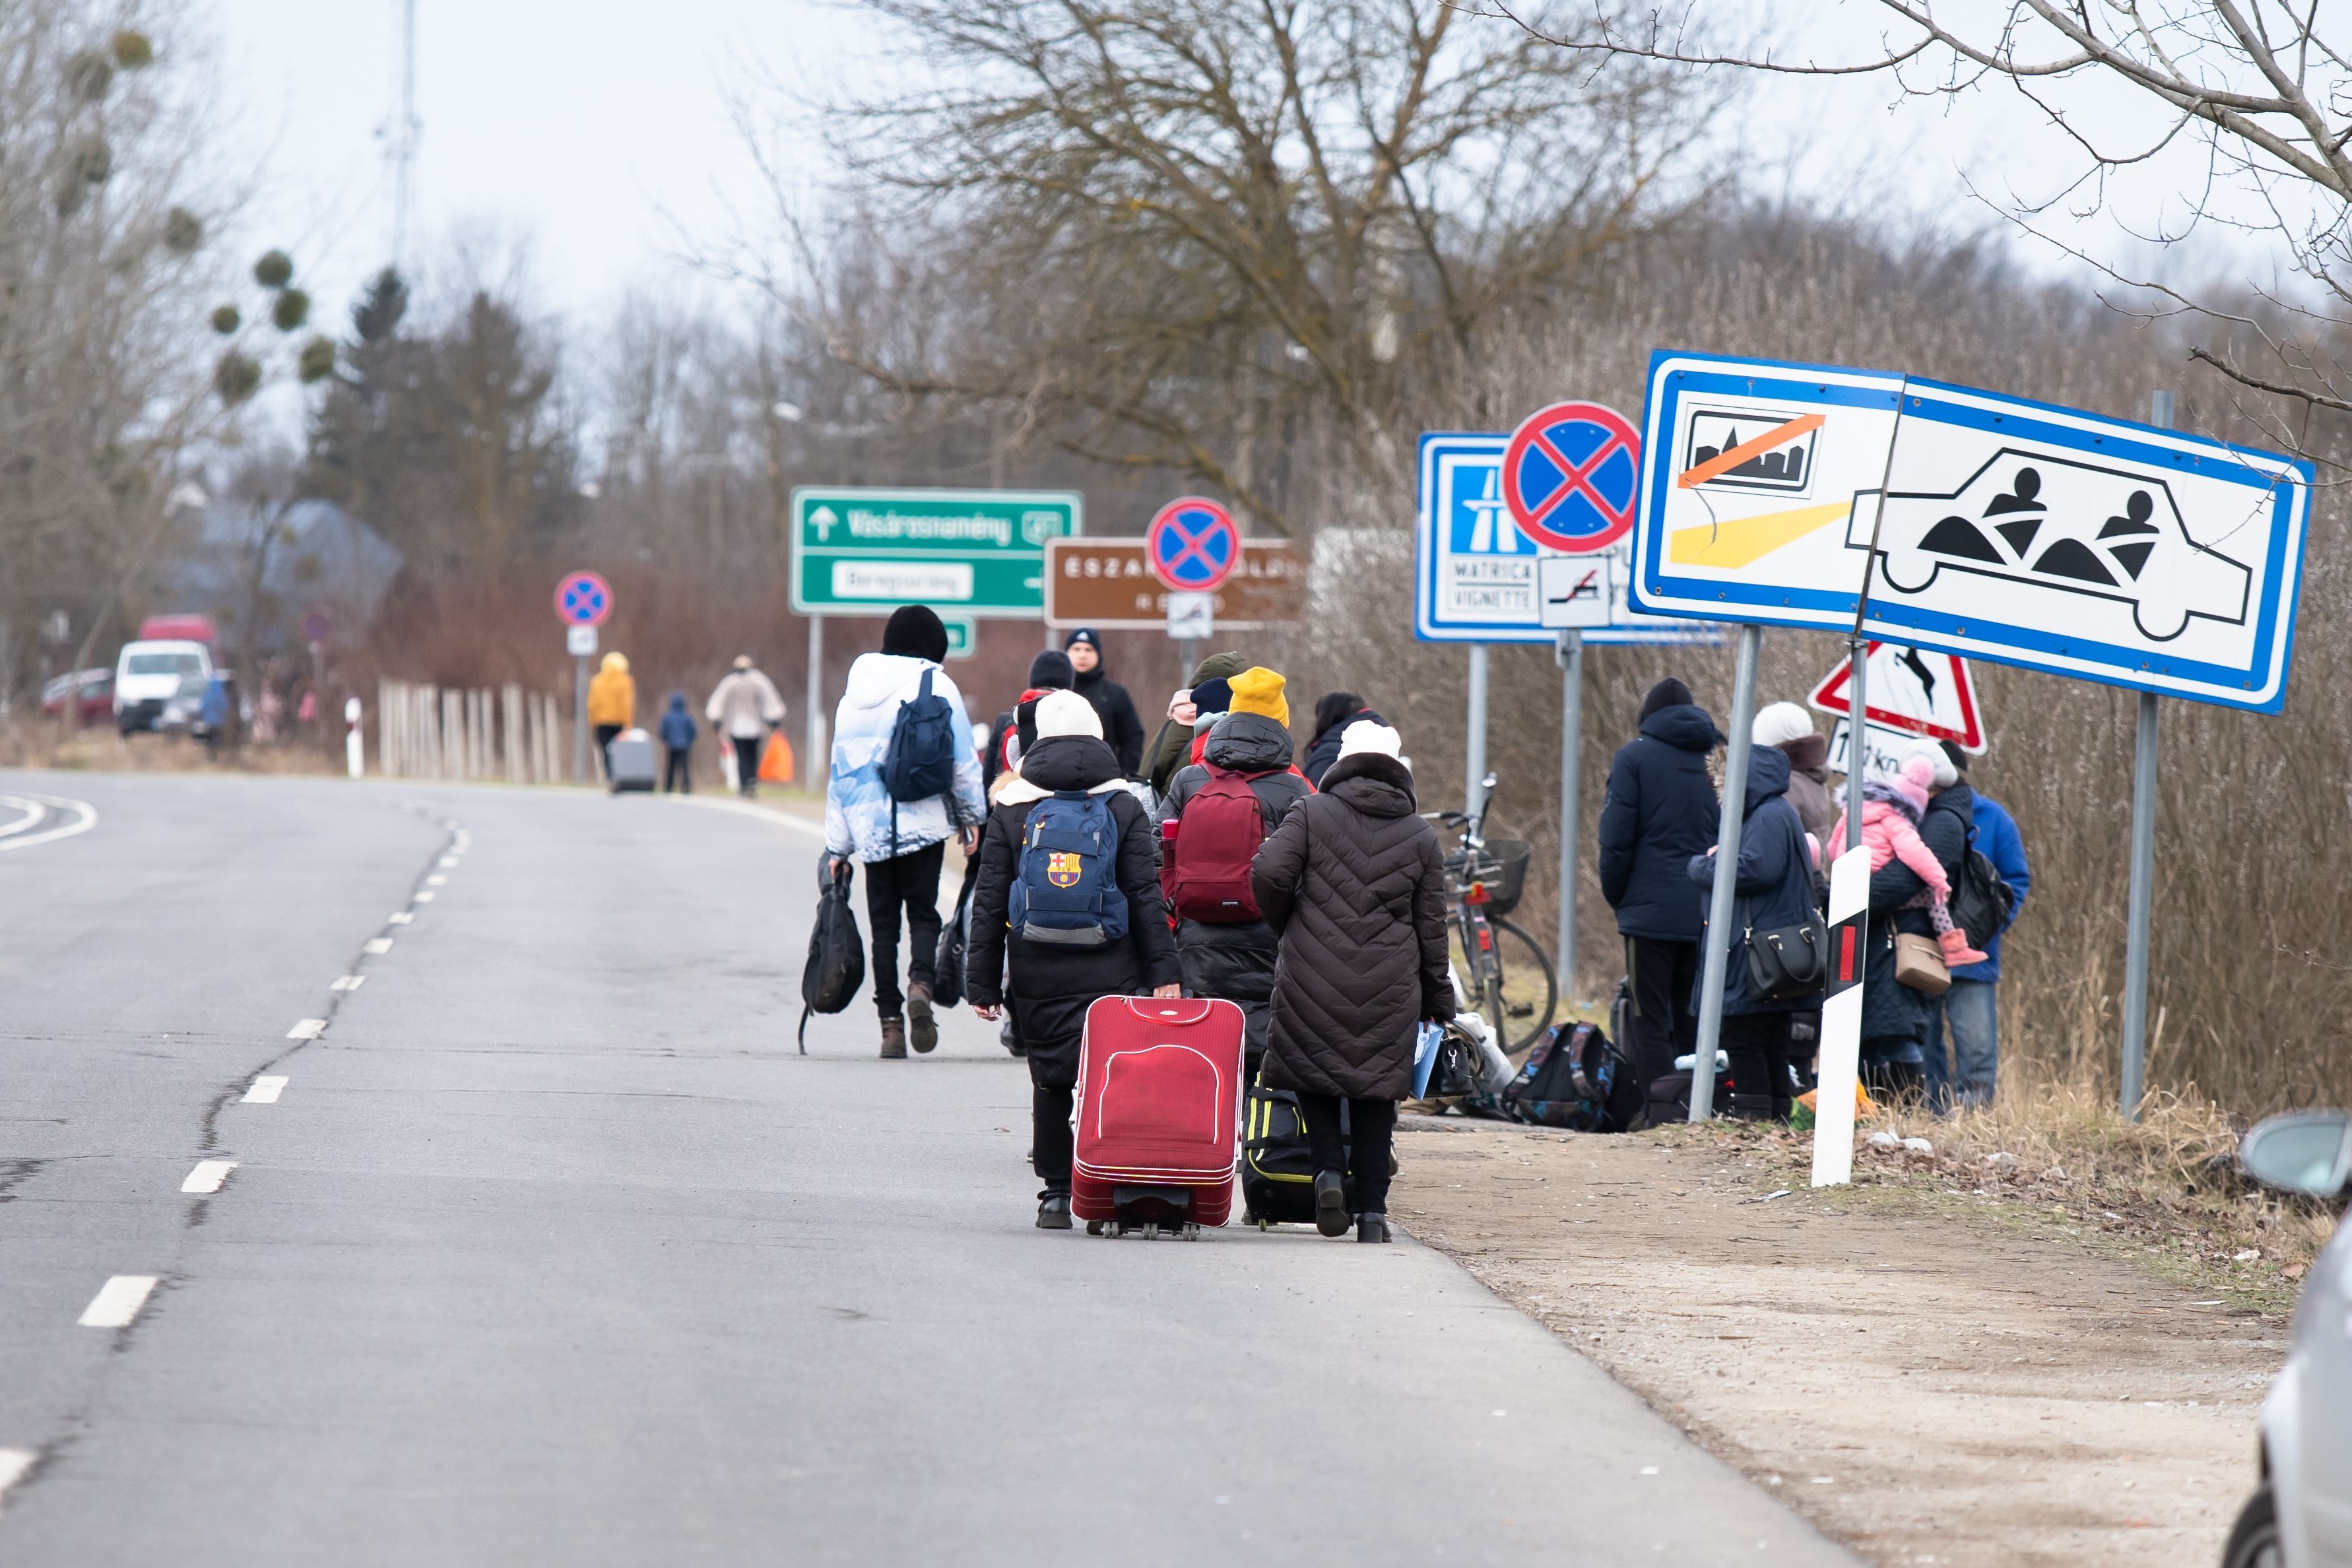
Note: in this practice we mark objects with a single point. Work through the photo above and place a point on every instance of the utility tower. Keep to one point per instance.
(403, 130)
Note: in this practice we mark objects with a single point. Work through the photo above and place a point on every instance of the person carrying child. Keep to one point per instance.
(1077, 924)
(1891, 813)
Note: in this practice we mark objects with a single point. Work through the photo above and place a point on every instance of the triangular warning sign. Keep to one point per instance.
(1914, 689)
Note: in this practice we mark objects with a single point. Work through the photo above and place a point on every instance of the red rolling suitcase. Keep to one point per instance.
(1159, 1092)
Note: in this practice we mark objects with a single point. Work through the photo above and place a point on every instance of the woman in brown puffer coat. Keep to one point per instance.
(1353, 881)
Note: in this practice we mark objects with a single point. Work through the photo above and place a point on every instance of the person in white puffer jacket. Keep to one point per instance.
(901, 844)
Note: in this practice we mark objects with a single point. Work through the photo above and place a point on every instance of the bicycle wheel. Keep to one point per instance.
(1530, 992)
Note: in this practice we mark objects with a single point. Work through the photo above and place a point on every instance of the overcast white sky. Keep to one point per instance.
(580, 126)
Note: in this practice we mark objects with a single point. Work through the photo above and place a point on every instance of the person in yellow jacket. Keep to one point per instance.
(612, 705)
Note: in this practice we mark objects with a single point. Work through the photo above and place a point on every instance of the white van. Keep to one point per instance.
(159, 684)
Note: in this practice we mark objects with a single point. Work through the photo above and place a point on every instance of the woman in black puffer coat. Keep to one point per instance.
(1054, 984)
(1354, 882)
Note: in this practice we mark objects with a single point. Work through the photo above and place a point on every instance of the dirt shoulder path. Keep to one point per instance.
(1931, 1377)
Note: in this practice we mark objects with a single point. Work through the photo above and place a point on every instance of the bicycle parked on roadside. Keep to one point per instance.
(1505, 972)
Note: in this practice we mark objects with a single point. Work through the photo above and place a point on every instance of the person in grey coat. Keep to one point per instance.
(1355, 883)
(1772, 888)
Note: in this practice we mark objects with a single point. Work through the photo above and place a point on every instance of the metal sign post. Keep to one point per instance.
(1473, 749)
(1571, 743)
(1727, 874)
(582, 600)
(819, 766)
(2143, 869)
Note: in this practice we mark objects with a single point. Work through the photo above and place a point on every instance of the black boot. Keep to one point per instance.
(1751, 1107)
(1371, 1227)
(1053, 1212)
(1331, 1203)
(1782, 1108)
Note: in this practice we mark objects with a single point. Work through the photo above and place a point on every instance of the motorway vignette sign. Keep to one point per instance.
(963, 552)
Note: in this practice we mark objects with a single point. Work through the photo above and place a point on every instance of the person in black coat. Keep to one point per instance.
(1660, 810)
(1054, 983)
(1333, 713)
(1772, 890)
(1049, 671)
(1121, 727)
(1896, 1019)
(1235, 960)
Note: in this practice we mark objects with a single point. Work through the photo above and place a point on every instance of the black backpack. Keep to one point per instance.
(836, 954)
(919, 762)
(1575, 1078)
(1980, 901)
(955, 937)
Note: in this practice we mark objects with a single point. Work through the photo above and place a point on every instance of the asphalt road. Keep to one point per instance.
(550, 1251)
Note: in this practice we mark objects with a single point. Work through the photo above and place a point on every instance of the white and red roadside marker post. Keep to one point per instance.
(1839, 1071)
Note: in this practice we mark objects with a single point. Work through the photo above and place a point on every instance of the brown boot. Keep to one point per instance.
(923, 1031)
(894, 1039)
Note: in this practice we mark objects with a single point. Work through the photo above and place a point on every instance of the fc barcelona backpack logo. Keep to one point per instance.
(1062, 868)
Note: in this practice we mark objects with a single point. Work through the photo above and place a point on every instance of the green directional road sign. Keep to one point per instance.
(963, 637)
(963, 552)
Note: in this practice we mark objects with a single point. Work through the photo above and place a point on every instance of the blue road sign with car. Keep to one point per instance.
(1992, 527)
(1475, 571)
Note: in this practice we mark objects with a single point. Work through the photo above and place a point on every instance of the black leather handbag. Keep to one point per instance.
(1787, 962)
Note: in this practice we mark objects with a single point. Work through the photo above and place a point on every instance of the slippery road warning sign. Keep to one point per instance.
(1918, 691)
(1983, 526)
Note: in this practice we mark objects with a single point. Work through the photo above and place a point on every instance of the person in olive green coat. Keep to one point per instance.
(1172, 747)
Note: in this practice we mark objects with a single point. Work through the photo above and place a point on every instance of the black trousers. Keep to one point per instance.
(747, 763)
(1371, 1123)
(1758, 1044)
(675, 774)
(1664, 1026)
(910, 881)
(604, 733)
(1050, 1136)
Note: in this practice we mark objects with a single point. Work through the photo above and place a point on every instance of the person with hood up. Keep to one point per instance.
(1896, 1021)
(1334, 711)
(1660, 810)
(1054, 983)
(612, 705)
(1790, 728)
(1121, 728)
(744, 707)
(677, 733)
(1772, 888)
(1354, 883)
(901, 843)
(1233, 957)
(1172, 748)
(1049, 671)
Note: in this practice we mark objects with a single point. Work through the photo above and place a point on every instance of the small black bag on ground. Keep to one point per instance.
(1670, 1096)
(837, 954)
(1575, 1078)
(955, 936)
(1277, 1160)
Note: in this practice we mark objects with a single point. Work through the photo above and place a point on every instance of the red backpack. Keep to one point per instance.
(1209, 858)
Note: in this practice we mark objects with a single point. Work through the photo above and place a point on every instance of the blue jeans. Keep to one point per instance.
(1966, 1077)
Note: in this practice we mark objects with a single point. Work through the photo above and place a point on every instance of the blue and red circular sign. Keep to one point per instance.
(1570, 476)
(1192, 545)
(584, 599)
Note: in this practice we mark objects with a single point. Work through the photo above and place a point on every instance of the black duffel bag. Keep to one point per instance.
(837, 954)
(947, 964)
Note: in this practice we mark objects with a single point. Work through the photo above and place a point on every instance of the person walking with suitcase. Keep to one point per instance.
(905, 779)
(1353, 881)
(744, 708)
(678, 746)
(1216, 814)
(1068, 898)
(612, 706)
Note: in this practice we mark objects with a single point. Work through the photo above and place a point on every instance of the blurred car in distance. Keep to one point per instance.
(159, 684)
(96, 699)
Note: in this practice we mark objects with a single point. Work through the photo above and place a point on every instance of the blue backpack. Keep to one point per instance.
(919, 762)
(1067, 892)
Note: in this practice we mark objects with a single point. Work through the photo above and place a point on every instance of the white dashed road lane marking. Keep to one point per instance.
(437, 881)
(420, 897)
(117, 1301)
(447, 861)
(351, 982)
(14, 1463)
(209, 1175)
(307, 1030)
(401, 918)
(377, 944)
(265, 1091)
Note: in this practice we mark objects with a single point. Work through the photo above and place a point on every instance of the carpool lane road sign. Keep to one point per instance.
(963, 552)
(2009, 530)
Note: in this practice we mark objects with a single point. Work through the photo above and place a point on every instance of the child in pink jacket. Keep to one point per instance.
(1890, 828)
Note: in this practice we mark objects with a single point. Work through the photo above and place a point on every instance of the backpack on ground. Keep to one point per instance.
(1217, 835)
(1981, 901)
(1576, 1079)
(918, 763)
(1065, 891)
(837, 954)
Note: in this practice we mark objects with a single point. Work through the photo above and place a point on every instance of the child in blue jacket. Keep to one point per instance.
(678, 734)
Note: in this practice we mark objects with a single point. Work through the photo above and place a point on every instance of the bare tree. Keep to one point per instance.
(2259, 86)
(1172, 234)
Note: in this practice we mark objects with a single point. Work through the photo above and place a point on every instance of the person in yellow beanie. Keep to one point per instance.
(1259, 690)
(612, 704)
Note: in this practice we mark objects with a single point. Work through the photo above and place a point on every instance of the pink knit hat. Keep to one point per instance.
(1918, 774)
